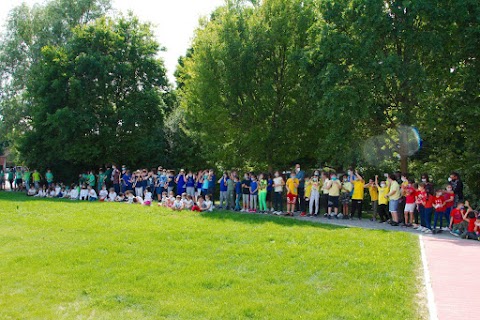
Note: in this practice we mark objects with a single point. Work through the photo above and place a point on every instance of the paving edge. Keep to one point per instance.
(432, 309)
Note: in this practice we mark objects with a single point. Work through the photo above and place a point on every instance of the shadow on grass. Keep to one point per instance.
(18, 197)
(22, 197)
(258, 218)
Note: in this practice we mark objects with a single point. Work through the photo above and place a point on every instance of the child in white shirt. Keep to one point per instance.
(32, 191)
(120, 197)
(92, 194)
(74, 193)
(208, 204)
(84, 193)
(112, 195)
(148, 197)
(188, 203)
(103, 194)
(177, 204)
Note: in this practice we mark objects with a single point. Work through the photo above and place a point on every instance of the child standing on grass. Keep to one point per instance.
(382, 200)
(292, 193)
(238, 193)
(253, 194)
(440, 207)
(449, 198)
(410, 195)
(246, 192)
(334, 188)
(278, 184)
(313, 203)
(373, 191)
(345, 196)
(307, 193)
(262, 193)
(357, 196)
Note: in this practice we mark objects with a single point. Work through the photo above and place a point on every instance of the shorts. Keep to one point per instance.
(345, 198)
(147, 203)
(291, 198)
(409, 207)
(393, 205)
(333, 201)
(269, 195)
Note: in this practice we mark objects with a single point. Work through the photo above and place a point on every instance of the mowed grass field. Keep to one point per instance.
(78, 260)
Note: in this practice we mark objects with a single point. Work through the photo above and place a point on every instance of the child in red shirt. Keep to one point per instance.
(457, 223)
(428, 203)
(410, 194)
(470, 218)
(449, 203)
(439, 205)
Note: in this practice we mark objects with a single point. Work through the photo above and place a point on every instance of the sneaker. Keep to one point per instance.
(428, 231)
(303, 214)
(454, 234)
(339, 216)
(446, 229)
(325, 215)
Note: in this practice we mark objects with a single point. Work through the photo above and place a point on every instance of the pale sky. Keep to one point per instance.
(174, 20)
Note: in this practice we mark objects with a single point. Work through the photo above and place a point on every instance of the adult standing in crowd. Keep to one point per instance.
(116, 179)
(457, 187)
(300, 175)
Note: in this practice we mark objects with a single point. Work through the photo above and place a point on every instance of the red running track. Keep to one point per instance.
(454, 270)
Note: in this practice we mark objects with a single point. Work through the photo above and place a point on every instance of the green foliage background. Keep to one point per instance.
(265, 84)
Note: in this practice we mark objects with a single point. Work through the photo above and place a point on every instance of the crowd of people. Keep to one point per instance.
(395, 198)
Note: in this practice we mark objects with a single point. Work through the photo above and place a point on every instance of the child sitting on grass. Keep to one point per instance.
(112, 195)
(177, 204)
(188, 202)
(208, 204)
(457, 223)
(74, 193)
(120, 197)
(470, 218)
(32, 191)
(148, 197)
(103, 194)
(92, 194)
(83, 193)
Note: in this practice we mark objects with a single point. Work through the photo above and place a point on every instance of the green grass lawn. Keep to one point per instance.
(66, 260)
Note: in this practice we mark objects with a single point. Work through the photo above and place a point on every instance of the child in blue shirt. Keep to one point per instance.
(238, 193)
(253, 194)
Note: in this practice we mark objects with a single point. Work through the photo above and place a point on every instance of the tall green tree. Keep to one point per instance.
(244, 85)
(98, 98)
(27, 30)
